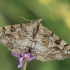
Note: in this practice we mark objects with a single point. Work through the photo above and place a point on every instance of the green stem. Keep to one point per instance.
(24, 65)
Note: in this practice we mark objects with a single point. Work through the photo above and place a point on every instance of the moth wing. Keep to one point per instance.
(16, 37)
(49, 46)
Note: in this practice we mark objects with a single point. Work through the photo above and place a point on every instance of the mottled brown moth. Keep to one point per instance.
(33, 40)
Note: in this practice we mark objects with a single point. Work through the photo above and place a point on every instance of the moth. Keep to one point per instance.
(34, 39)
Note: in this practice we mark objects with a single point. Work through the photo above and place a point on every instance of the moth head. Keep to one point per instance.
(38, 21)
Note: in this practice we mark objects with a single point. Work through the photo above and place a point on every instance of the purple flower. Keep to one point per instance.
(26, 55)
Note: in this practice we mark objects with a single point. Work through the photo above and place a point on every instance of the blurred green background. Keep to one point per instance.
(56, 14)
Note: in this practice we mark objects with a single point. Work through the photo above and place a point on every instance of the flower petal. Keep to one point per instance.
(30, 57)
(16, 55)
(20, 62)
(27, 56)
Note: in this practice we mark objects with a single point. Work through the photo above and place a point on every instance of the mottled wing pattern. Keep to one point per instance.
(49, 46)
(43, 43)
(17, 37)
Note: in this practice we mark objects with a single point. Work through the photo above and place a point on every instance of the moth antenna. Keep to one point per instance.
(31, 20)
(27, 19)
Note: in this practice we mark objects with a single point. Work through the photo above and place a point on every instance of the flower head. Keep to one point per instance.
(26, 55)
